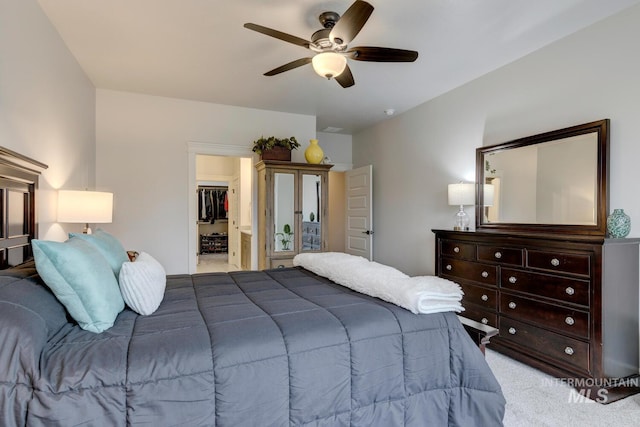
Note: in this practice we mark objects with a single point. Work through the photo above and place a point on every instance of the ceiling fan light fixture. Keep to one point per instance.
(329, 64)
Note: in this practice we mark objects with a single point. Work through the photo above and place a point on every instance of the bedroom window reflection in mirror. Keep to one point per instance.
(284, 211)
(311, 208)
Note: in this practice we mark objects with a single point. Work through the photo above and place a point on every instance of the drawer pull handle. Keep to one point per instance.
(512, 305)
(569, 321)
(569, 351)
(513, 279)
(484, 320)
(570, 290)
(498, 255)
(456, 249)
(555, 262)
(484, 297)
(485, 274)
(512, 331)
(448, 267)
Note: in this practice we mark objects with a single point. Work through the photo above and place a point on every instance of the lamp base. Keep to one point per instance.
(461, 220)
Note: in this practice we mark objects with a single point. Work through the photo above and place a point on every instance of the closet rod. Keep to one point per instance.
(212, 187)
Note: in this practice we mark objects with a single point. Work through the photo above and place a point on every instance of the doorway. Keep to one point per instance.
(223, 214)
(227, 169)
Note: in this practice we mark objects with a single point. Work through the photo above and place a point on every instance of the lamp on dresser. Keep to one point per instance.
(461, 194)
(85, 207)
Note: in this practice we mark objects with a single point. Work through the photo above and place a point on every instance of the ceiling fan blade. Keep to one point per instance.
(290, 66)
(351, 22)
(381, 54)
(345, 79)
(278, 35)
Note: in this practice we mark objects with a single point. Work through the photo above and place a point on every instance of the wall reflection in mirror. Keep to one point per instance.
(536, 184)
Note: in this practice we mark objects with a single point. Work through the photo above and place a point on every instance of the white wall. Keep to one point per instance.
(47, 107)
(336, 146)
(588, 76)
(142, 156)
(216, 168)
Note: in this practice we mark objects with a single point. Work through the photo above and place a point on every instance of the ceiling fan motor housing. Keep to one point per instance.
(328, 21)
(321, 42)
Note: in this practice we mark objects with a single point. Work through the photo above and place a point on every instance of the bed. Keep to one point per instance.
(283, 347)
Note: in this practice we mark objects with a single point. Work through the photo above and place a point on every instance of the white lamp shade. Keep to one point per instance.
(85, 206)
(329, 64)
(462, 194)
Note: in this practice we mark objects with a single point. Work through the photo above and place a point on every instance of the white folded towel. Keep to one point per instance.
(420, 294)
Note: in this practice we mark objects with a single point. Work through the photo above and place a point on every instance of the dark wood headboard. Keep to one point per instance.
(18, 221)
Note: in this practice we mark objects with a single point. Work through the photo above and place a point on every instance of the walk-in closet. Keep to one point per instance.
(224, 212)
(213, 219)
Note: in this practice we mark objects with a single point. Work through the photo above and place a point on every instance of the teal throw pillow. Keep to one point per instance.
(109, 247)
(82, 280)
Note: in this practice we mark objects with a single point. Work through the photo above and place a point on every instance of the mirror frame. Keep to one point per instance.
(601, 127)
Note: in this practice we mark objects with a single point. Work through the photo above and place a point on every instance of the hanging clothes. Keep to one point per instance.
(202, 209)
(212, 204)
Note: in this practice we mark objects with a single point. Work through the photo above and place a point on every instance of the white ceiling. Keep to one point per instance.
(199, 50)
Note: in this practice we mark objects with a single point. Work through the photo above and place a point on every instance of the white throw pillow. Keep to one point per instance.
(142, 284)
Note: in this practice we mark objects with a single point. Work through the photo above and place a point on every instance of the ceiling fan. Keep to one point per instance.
(330, 45)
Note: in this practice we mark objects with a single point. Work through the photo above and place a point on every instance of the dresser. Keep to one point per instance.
(565, 304)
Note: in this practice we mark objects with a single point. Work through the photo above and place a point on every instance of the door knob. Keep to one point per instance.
(367, 232)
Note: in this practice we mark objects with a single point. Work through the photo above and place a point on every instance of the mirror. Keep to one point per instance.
(554, 182)
(311, 227)
(283, 211)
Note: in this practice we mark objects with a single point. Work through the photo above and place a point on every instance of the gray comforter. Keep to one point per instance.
(274, 348)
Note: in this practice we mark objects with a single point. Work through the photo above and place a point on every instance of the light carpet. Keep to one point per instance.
(537, 399)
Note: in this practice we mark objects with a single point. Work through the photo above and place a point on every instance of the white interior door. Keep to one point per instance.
(359, 221)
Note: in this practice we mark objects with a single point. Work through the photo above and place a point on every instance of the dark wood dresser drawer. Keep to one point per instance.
(479, 315)
(574, 291)
(454, 249)
(501, 255)
(564, 303)
(561, 262)
(561, 319)
(480, 273)
(482, 297)
(560, 347)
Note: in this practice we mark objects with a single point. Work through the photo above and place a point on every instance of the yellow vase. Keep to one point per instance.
(314, 153)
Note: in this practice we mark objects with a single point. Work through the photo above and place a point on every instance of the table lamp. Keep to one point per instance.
(85, 207)
(461, 194)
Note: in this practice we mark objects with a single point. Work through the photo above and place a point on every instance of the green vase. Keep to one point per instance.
(314, 153)
(618, 224)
